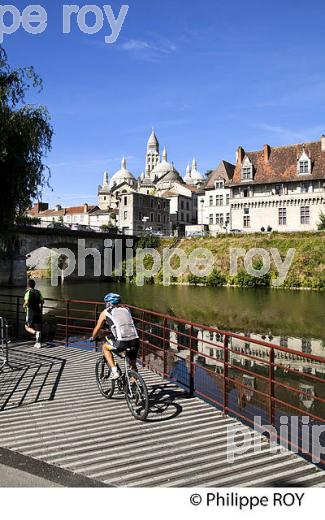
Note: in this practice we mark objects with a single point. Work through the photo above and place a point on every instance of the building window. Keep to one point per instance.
(247, 221)
(187, 217)
(282, 216)
(305, 215)
(151, 203)
(187, 206)
(219, 200)
(140, 201)
(151, 217)
(219, 185)
(125, 216)
(284, 342)
(303, 167)
(159, 217)
(306, 346)
(182, 217)
(164, 219)
(246, 211)
(247, 172)
(227, 199)
(219, 219)
(211, 200)
(304, 187)
(182, 204)
(140, 215)
(125, 201)
(210, 218)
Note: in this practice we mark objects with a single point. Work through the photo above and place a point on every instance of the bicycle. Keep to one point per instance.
(130, 383)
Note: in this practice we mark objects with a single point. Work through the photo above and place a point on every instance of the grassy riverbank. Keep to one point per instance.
(307, 269)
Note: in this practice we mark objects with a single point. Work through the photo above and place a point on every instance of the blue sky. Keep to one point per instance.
(209, 76)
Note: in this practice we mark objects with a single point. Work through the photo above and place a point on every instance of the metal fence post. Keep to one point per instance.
(17, 316)
(225, 374)
(96, 318)
(165, 346)
(67, 316)
(192, 371)
(143, 357)
(271, 389)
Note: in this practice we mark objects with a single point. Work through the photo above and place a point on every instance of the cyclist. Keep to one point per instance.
(123, 332)
(33, 301)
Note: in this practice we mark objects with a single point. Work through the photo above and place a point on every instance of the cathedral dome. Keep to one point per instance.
(193, 176)
(162, 167)
(171, 175)
(122, 175)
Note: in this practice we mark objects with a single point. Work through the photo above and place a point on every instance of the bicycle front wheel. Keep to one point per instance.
(137, 396)
(105, 383)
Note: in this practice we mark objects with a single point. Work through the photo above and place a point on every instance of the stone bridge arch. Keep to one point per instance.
(106, 246)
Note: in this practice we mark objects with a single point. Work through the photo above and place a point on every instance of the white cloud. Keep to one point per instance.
(148, 49)
(135, 45)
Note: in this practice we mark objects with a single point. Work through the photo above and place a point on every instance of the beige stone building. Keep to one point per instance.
(140, 213)
(214, 200)
(279, 188)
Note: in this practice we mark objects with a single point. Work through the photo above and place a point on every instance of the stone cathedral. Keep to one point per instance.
(159, 177)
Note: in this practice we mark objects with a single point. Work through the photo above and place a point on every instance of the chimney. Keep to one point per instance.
(322, 143)
(267, 152)
(85, 207)
(40, 206)
(240, 155)
(58, 207)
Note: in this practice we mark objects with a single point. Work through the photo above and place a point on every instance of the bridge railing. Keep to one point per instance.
(263, 384)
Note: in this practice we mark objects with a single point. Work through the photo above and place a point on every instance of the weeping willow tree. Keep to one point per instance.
(25, 139)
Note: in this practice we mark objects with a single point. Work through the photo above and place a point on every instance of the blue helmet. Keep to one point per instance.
(112, 298)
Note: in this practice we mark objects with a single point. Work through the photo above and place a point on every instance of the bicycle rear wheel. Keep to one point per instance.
(105, 383)
(137, 399)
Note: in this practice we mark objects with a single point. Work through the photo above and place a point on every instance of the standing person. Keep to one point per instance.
(33, 301)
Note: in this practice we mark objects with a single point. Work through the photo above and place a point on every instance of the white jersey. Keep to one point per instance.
(121, 323)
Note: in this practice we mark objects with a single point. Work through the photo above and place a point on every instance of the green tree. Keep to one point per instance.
(25, 139)
(321, 224)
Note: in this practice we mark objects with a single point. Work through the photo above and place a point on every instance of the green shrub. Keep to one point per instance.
(216, 279)
(193, 279)
(148, 241)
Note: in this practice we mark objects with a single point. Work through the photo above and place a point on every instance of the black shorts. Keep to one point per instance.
(33, 317)
(131, 347)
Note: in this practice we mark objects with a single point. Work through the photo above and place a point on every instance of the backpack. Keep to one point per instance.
(34, 300)
(120, 321)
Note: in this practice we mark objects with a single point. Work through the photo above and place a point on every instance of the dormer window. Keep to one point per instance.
(247, 170)
(303, 167)
(219, 184)
(304, 164)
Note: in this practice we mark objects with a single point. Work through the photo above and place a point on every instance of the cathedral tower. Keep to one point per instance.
(152, 156)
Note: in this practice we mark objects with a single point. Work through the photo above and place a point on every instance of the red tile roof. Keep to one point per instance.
(281, 165)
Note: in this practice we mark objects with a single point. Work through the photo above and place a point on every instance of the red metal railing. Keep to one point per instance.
(244, 376)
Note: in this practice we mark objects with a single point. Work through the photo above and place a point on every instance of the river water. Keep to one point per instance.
(271, 312)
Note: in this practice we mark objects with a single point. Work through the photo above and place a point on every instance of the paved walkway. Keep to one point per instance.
(53, 413)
